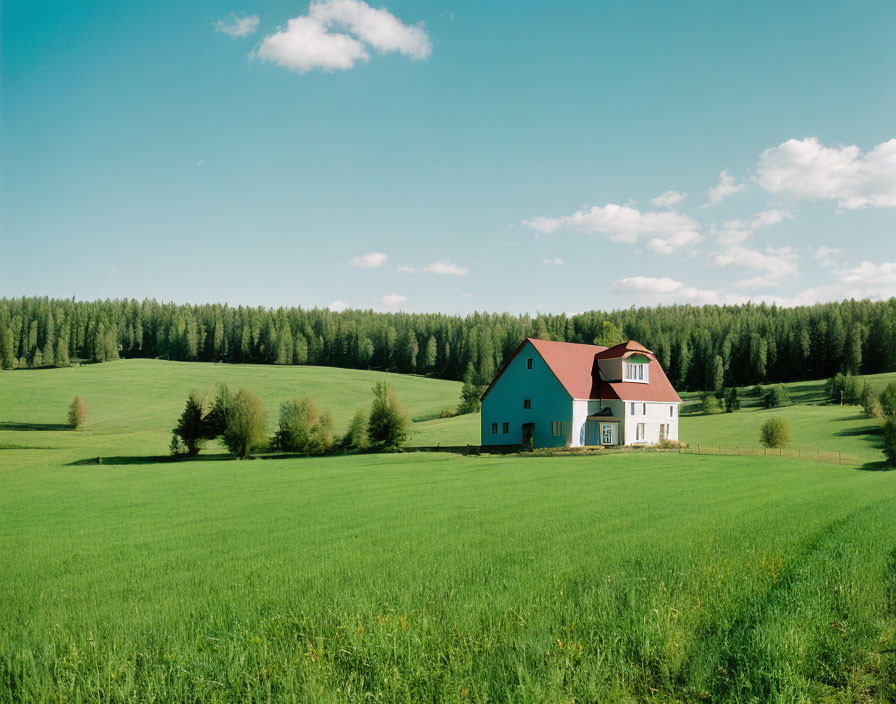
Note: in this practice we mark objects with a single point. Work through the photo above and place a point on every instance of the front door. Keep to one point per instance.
(662, 431)
(609, 433)
(528, 434)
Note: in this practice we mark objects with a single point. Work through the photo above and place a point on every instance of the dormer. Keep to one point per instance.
(626, 362)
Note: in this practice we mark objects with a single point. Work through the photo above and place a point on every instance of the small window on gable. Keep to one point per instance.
(529, 363)
(527, 403)
(494, 428)
(506, 428)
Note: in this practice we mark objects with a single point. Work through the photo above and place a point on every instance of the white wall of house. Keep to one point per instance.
(650, 413)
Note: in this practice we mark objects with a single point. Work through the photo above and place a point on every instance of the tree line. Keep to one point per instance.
(700, 347)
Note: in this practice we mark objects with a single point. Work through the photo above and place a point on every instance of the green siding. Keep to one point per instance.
(504, 403)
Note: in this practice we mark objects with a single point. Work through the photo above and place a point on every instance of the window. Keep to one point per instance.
(633, 409)
(529, 363)
(506, 428)
(635, 371)
(643, 409)
(494, 428)
(639, 432)
(556, 429)
(671, 411)
(527, 403)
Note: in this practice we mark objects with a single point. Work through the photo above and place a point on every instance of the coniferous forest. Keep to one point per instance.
(704, 347)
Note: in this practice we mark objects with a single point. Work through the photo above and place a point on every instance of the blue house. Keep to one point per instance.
(555, 394)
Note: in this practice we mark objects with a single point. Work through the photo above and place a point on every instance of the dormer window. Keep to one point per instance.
(636, 368)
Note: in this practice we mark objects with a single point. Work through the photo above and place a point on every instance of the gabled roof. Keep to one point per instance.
(576, 368)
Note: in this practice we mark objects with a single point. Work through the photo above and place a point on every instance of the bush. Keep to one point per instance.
(245, 423)
(710, 404)
(216, 420)
(776, 397)
(732, 402)
(355, 437)
(888, 401)
(775, 432)
(890, 440)
(304, 429)
(388, 425)
(192, 428)
(77, 413)
(757, 390)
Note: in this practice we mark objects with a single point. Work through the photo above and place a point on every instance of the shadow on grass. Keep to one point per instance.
(5, 425)
(869, 430)
(880, 466)
(146, 459)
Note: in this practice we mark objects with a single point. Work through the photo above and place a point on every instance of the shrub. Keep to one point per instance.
(192, 428)
(388, 424)
(757, 390)
(888, 401)
(355, 437)
(732, 402)
(710, 404)
(470, 393)
(245, 423)
(775, 432)
(890, 440)
(776, 397)
(216, 420)
(304, 429)
(77, 413)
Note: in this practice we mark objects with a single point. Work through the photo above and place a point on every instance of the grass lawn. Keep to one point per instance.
(424, 577)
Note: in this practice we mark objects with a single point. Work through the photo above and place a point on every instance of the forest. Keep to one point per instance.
(701, 347)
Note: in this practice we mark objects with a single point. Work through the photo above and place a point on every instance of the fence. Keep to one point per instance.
(832, 456)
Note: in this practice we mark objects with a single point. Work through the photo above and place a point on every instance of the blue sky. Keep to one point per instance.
(509, 156)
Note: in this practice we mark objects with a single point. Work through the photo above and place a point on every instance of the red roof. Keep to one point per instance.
(575, 366)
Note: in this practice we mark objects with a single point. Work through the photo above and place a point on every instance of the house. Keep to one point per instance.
(556, 394)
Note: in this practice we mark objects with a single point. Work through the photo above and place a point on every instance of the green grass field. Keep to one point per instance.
(426, 576)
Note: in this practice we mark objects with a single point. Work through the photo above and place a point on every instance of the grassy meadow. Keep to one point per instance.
(428, 576)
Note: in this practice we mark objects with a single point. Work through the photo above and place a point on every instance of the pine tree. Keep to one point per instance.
(429, 355)
(7, 349)
(718, 375)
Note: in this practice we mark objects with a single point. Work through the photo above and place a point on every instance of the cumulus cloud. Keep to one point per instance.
(736, 231)
(337, 306)
(447, 268)
(724, 188)
(775, 264)
(391, 299)
(804, 169)
(668, 290)
(238, 26)
(870, 274)
(335, 34)
(622, 223)
(369, 260)
(668, 199)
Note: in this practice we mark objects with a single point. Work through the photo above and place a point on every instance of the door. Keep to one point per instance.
(528, 434)
(663, 427)
(609, 433)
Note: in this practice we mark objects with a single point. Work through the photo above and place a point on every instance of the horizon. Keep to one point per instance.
(405, 157)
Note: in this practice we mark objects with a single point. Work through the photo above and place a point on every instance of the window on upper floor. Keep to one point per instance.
(527, 403)
(494, 428)
(643, 409)
(529, 363)
(633, 409)
(635, 371)
(671, 411)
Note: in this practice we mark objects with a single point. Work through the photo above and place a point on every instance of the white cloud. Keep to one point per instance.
(402, 269)
(238, 26)
(310, 42)
(804, 169)
(668, 199)
(824, 255)
(391, 299)
(370, 260)
(870, 274)
(775, 264)
(337, 306)
(556, 261)
(669, 290)
(724, 188)
(447, 268)
(737, 231)
(622, 223)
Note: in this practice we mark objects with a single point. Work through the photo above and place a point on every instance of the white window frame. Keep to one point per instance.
(640, 432)
(637, 372)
